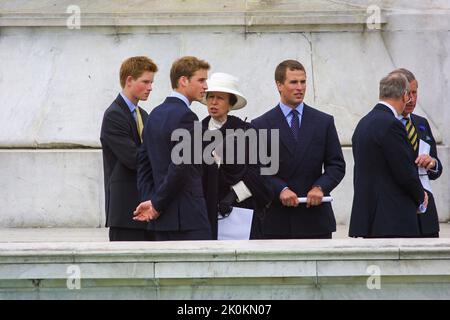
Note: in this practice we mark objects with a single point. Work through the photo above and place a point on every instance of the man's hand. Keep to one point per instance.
(423, 206)
(425, 161)
(288, 198)
(225, 205)
(425, 200)
(314, 197)
(145, 212)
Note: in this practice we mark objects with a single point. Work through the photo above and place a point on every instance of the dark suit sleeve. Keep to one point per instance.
(433, 174)
(177, 173)
(116, 134)
(333, 162)
(144, 175)
(258, 184)
(397, 153)
(276, 183)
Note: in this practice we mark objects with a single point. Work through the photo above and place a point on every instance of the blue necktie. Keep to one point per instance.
(295, 126)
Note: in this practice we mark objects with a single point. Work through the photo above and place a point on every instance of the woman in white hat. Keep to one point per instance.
(229, 184)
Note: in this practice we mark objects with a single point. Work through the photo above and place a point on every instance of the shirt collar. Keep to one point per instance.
(180, 96)
(130, 104)
(399, 117)
(214, 124)
(286, 109)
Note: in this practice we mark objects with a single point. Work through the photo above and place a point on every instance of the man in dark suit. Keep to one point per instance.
(172, 192)
(420, 130)
(388, 194)
(309, 142)
(121, 137)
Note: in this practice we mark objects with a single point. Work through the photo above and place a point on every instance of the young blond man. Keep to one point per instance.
(172, 194)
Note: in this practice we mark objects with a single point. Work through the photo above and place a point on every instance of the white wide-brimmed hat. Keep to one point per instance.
(224, 82)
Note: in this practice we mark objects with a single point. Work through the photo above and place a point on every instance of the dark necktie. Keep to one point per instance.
(412, 134)
(295, 126)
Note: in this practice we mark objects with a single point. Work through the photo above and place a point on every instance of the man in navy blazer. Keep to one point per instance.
(120, 138)
(429, 221)
(311, 163)
(388, 194)
(172, 193)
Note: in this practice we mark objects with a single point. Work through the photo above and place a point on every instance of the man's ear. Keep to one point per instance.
(128, 80)
(183, 81)
(279, 84)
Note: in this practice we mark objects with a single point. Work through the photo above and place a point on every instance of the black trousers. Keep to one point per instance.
(433, 235)
(129, 234)
(203, 234)
(274, 236)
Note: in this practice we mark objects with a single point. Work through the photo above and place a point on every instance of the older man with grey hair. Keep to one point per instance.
(419, 132)
(388, 194)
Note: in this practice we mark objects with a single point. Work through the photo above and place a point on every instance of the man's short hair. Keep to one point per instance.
(393, 86)
(408, 74)
(186, 66)
(135, 67)
(280, 71)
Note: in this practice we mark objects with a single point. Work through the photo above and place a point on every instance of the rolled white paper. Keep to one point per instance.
(324, 199)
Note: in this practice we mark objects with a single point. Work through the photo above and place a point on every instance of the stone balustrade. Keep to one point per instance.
(288, 269)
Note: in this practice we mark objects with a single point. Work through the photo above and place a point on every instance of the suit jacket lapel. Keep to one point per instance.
(122, 104)
(279, 121)
(415, 122)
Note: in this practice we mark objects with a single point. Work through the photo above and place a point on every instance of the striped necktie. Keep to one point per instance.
(139, 122)
(412, 134)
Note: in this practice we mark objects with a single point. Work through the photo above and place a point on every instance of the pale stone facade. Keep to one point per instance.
(56, 82)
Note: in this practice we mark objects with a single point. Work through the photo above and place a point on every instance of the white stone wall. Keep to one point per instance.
(56, 82)
(48, 188)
